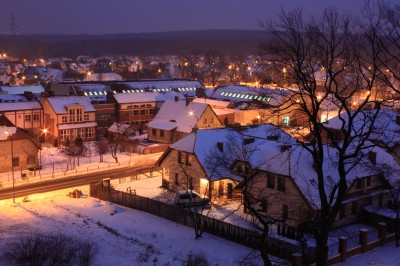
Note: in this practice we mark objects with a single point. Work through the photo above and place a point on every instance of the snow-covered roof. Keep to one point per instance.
(36, 89)
(141, 97)
(386, 130)
(118, 128)
(77, 125)
(212, 102)
(176, 114)
(15, 106)
(164, 84)
(268, 155)
(60, 102)
(239, 93)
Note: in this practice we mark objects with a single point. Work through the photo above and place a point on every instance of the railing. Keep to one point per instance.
(73, 172)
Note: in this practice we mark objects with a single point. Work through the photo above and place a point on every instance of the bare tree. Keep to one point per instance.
(337, 45)
(102, 148)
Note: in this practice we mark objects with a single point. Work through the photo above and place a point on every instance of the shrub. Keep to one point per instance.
(53, 249)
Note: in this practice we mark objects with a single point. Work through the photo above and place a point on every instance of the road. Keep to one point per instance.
(72, 181)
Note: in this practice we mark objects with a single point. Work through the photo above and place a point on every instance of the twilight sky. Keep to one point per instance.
(133, 16)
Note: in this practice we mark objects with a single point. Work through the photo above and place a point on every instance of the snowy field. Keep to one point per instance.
(124, 236)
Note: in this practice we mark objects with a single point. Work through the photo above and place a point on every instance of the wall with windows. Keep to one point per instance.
(184, 172)
(279, 197)
(137, 114)
(25, 155)
(31, 120)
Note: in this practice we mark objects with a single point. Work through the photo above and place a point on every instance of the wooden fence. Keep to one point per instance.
(276, 246)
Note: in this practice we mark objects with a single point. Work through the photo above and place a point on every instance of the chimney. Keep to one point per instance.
(176, 98)
(285, 147)
(28, 95)
(189, 99)
(220, 146)
(398, 119)
(372, 157)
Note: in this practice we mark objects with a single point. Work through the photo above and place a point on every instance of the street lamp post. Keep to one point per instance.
(191, 113)
(12, 164)
(45, 134)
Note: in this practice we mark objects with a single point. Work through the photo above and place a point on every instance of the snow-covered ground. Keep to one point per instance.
(124, 236)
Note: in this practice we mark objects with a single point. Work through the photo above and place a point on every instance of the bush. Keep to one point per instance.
(198, 259)
(56, 249)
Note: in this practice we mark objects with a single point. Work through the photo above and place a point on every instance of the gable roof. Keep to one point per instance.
(145, 97)
(59, 103)
(175, 114)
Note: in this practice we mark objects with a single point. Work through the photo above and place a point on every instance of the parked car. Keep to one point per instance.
(190, 198)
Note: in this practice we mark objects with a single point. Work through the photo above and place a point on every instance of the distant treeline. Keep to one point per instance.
(230, 42)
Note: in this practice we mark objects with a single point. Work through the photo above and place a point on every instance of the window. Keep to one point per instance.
(368, 181)
(282, 184)
(64, 134)
(179, 157)
(86, 117)
(188, 159)
(71, 115)
(271, 181)
(286, 120)
(161, 133)
(30, 159)
(342, 211)
(15, 161)
(151, 111)
(79, 114)
(191, 183)
(136, 112)
(264, 205)
(176, 178)
(81, 133)
(64, 119)
(285, 212)
(36, 117)
(28, 118)
(72, 134)
(89, 132)
(354, 208)
(142, 112)
(358, 183)
(154, 132)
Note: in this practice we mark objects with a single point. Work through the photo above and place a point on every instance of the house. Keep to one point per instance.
(68, 117)
(19, 150)
(275, 171)
(385, 133)
(23, 111)
(118, 129)
(177, 119)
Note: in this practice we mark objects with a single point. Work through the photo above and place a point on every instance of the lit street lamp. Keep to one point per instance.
(12, 164)
(191, 114)
(45, 134)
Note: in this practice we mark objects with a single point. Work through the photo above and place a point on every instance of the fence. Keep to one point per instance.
(276, 246)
